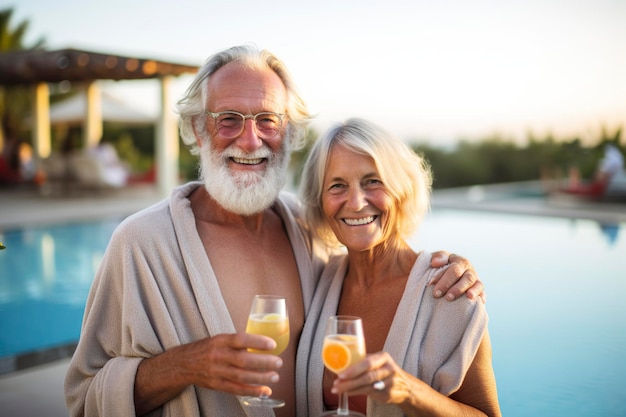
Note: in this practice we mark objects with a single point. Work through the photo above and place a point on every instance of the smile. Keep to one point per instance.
(359, 222)
(255, 161)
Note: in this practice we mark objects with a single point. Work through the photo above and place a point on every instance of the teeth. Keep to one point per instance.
(358, 222)
(248, 161)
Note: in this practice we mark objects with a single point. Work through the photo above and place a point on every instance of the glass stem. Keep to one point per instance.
(343, 409)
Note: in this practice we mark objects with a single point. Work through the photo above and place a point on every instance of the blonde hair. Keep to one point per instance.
(405, 174)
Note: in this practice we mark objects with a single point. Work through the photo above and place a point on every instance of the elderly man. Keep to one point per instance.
(164, 326)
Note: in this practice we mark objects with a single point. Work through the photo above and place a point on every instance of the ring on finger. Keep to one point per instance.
(379, 386)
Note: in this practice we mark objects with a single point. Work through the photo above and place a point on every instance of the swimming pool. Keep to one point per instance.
(45, 275)
(555, 299)
(556, 291)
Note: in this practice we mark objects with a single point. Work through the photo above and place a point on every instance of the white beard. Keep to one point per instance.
(244, 193)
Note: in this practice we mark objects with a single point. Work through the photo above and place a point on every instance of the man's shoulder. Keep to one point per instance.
(289, 199)
(149, 214)
(290, 202)
(142, 225)
(160, 213)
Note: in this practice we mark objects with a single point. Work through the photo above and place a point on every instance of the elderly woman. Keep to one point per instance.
(368, 191)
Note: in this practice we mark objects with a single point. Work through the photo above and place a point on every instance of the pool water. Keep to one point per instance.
(556, 292)
(45, 275)
(555, 287)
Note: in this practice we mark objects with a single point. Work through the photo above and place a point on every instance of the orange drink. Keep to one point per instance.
(342, 350)
(344, 345)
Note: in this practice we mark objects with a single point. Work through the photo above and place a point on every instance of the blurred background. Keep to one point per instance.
(490, 91)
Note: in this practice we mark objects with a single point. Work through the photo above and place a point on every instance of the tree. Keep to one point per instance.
(299, 157)
(14, 101)
(13, 40)
(495, 160)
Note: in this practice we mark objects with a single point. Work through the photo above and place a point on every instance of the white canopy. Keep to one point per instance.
(114, 109)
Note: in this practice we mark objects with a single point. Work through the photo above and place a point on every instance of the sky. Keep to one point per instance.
(428, 71)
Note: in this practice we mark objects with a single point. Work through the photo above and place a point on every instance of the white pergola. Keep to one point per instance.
(40, 68)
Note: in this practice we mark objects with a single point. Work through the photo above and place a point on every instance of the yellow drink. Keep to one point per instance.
(342, 350)
(271, 325)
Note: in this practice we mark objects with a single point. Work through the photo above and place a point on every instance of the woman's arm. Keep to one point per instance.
(477, 395)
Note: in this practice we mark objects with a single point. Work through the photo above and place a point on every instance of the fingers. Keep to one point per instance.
(439, 259)
(373, 361)
(458, 279)
(476, 290)
(234, 350)
(463, 284)
(449, 277)
(483, 297)
(223, 363)
(377, 375)
(252, 341)
(359, 378)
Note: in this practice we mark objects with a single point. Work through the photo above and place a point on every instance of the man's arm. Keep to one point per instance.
(220, 363)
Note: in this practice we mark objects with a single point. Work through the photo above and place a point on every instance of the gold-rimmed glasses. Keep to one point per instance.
(230, 124)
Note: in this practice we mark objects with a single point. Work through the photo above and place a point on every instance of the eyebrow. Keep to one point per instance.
(366, 176)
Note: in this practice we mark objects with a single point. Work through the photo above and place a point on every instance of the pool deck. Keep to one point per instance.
(25, 206)
(38, 390)
(529, 199)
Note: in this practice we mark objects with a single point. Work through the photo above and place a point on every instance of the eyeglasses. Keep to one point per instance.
(230, 124)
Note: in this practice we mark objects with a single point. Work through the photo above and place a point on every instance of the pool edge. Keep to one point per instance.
(15, 363)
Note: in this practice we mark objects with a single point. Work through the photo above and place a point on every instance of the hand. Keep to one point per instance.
(412, 395)
(221, 362)
(459, 278)
(359, 379)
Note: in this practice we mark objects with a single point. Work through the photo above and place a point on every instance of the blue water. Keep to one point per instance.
(555, 287)
(45, 275)
(556, 291)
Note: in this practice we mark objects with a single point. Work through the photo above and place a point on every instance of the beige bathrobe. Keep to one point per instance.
(433, 339)
(154, 290)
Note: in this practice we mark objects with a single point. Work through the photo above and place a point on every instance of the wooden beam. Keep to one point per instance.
(28, 67)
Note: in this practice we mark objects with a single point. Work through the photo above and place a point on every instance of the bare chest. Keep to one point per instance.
(246, 265)
(376, 306)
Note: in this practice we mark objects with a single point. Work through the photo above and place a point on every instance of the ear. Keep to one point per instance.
(195, 132)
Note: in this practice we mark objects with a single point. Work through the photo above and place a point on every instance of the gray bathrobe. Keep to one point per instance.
(432, 339)
(155, 289)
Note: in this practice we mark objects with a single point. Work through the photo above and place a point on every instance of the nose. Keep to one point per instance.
(248, 140)
(356, 199)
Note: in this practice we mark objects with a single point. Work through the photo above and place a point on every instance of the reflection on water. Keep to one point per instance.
(47, 257)
(610, 231)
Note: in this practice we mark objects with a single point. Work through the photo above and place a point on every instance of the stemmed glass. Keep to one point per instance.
(344, 344)
(268, 317)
